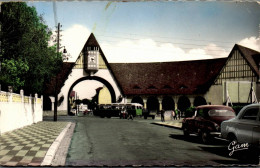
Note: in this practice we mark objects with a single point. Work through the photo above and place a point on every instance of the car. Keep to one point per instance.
(244, 128)
(206, 121)
(149, 113)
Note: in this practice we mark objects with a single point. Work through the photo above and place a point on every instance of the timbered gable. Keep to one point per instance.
(91, 44)
(79, 64)
(238, 67)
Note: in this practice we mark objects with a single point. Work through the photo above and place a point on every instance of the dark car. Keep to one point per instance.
(206, 121)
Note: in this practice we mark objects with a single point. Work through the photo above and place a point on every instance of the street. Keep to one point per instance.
(117, 142)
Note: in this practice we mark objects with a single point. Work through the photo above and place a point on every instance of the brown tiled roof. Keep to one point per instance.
(252, 56)
(185, 77)
(61, 78)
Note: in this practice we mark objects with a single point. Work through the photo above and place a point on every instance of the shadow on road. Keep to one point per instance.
(196, 139)
(216, 146)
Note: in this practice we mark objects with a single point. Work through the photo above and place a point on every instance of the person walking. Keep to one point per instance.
(173, 114)
(176, 114)
(162, 115)
(130, 115)
(123, 113)
(179, 114)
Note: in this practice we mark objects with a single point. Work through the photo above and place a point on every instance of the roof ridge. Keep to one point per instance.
(199, 60)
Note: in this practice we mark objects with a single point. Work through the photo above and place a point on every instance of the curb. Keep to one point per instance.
(167, 125)
(53, 148)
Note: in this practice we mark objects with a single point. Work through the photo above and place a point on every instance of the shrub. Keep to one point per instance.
(189, 112)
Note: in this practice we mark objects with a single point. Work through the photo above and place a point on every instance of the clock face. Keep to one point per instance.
(92, 60)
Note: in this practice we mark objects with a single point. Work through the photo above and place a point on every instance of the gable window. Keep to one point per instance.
(136, 87)
(167, 87)
(152, 87)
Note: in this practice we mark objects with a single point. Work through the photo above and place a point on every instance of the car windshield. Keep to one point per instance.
(222, 112)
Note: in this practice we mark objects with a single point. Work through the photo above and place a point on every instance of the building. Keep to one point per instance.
(167, 85)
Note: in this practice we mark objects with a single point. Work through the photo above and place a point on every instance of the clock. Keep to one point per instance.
(92, 63)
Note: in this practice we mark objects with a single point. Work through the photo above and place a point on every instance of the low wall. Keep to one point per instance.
(17, 111)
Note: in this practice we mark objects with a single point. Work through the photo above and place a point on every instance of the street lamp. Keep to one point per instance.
(64, 50)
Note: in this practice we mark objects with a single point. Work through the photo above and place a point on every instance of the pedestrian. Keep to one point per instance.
(130, 115)
(123, 113)
(179, 114)
(173, 114)
(176, 114)
(162, 115)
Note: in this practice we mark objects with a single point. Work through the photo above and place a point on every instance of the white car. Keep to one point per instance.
(244, 128)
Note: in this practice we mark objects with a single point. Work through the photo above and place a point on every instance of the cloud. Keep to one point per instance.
(251, 42)
(142, 50)
(147, 50)
(74, 38)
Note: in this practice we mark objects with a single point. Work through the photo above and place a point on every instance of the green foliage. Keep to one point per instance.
(237, 108)
(27, 60)
(190, 111)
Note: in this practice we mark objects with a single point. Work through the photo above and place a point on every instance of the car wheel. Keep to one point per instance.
(153, 117)
(205, 137)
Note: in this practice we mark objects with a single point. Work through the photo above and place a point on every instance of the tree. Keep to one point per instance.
(27, 60)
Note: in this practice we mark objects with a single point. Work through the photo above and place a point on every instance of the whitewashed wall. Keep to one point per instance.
(80, 73)
(17, 111)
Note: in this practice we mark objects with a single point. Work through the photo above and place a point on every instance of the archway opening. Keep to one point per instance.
(183, 103)
(152, 104)
(168, 103)
(199, 100)
(98, 88)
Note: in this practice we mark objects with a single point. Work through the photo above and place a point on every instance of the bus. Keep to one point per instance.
(116, 109)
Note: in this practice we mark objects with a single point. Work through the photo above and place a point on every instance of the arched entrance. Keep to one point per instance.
(199, 100)
(168, 103)
(152, 103)
(137, 99)
(183, 103)
(106, 83)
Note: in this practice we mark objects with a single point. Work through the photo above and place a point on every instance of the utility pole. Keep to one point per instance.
(56, 80)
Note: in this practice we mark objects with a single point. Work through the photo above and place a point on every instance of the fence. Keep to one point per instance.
(17, 110)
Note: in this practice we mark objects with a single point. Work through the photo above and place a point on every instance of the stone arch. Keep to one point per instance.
(152, 103)
(183, 103)
(199, 100)
(106, 83)
(168, 103)
(137, 99)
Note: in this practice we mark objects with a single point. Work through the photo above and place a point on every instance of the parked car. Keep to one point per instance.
(149, 113)
(244, 128)
(206, 121)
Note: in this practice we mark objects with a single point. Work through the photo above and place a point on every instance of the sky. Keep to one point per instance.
(152, 31)
(155, 31)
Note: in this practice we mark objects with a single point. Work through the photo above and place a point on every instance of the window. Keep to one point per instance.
(222, 113)
(250, 114)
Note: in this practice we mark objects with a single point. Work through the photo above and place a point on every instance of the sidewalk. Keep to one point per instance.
(31, 145)
(170, 123)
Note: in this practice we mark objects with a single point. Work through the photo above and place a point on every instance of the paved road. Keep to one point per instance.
(118, 142)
